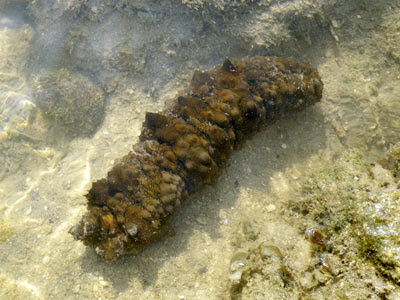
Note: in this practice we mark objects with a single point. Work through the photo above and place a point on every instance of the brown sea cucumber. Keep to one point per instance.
(187, 146)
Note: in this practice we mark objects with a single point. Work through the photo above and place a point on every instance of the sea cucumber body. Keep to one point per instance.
(187, 146)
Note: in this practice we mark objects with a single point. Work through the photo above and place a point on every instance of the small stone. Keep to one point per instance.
(307, 281)
(271, 208)
(132, 230)
(102, 282)
(340, 131)
(235, 276)
(76, 289)
(381, 143)
(3, 136)
(201, 221)
(284, 146)
(70, 101)
(321, 277)
(202, 270)
(45, 259)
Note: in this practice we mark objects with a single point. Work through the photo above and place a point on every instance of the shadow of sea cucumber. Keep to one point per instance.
(187, 145)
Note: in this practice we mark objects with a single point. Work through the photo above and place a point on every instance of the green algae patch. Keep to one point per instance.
(330, 195)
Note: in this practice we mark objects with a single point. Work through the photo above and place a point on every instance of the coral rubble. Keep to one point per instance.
(187, 145)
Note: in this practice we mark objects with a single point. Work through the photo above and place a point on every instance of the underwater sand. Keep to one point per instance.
(43, 179)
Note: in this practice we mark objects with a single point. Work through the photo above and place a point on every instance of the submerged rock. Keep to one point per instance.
(348, 213)
(381, 236)
(70, 101)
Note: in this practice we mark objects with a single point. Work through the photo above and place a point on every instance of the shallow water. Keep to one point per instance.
(141, 55)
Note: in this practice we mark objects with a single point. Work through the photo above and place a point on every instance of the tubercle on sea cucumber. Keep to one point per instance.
(187, 145)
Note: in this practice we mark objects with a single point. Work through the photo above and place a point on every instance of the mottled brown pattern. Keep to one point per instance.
(187, 146)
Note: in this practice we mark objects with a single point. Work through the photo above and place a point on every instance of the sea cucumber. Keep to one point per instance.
(187, 145)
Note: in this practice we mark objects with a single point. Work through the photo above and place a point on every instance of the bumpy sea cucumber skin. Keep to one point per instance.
(187, 146)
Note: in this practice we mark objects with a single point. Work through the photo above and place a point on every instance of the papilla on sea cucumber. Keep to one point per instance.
(187, 145)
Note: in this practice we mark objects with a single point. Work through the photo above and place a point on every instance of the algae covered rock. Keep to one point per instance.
(70, 101)
(381, 223)
(381, 240)
(347, 212)
(355, 207)
(261, 274)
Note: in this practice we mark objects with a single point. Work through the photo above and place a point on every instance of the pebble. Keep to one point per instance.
(307, 281)
(201, 221)
(45, 259)
(3, 136)
(335, 23)
(76, 289)
(235, 276)
(271, 208)
(284, 146)
(103, 283)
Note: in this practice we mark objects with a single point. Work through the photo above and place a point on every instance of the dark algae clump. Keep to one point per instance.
(187, 146)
